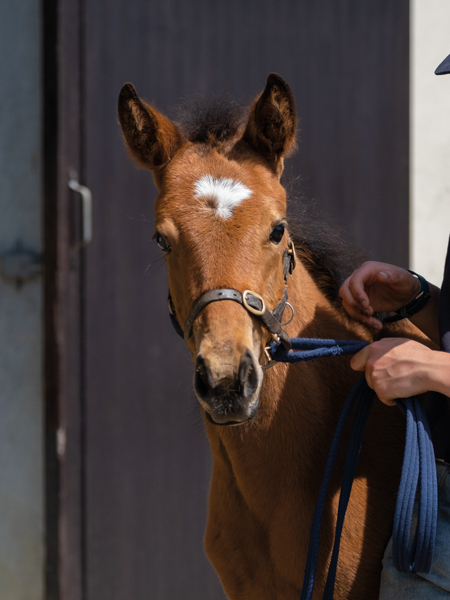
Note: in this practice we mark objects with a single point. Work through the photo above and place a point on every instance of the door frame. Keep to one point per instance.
(62, 27)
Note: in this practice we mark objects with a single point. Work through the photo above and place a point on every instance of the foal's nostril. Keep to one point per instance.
(203, 381)
(244, 367)
(248, 377)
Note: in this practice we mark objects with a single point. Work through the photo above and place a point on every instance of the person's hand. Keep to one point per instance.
(377, 287)
(400, 368)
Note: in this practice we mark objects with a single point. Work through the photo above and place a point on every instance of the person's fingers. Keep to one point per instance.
(354, 288)
(344, 292)
(349, 298)
(356, 285)
(362, 317)
(356, 313)
(354, 310)
(380, 391)
(374, 323)
(359, 360)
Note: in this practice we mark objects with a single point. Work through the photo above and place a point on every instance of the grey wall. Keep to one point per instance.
(21, 335)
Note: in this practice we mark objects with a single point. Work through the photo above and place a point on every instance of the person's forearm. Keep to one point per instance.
(439, 373)
(427, 319)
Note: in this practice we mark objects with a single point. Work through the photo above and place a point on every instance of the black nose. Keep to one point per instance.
(203, 380)
(227, 397)
(247, 376)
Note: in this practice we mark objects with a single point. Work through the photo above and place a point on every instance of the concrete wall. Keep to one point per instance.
(21, 336)
(430, 137)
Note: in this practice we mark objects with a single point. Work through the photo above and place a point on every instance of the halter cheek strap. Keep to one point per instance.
(251, 301)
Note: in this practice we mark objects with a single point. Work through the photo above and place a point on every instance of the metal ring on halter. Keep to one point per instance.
(292, 315)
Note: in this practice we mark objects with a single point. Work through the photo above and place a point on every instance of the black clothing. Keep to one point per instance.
(437, 406)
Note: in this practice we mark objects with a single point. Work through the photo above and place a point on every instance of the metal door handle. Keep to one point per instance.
(86, 199)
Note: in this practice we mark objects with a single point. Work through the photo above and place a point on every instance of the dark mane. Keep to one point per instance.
(216, 119)
(321, 247)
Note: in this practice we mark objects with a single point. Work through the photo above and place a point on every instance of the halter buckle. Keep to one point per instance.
(254, 311)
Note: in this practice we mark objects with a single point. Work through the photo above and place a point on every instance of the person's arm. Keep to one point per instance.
(400, 368)
(380, 287)
(427, 318)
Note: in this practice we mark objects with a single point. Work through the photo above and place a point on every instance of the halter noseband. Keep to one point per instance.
(251, 301)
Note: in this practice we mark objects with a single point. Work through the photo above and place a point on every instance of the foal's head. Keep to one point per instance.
(220, 222)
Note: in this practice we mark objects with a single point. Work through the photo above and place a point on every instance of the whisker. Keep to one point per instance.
(158, 263)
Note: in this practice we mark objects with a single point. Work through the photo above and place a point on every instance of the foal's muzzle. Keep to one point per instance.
(229, 400)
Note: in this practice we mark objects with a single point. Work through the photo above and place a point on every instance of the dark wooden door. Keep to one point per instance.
(145, 462)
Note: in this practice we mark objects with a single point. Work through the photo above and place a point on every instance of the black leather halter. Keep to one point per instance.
(251, 301)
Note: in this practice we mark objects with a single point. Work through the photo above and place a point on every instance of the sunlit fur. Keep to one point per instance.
(267, 471)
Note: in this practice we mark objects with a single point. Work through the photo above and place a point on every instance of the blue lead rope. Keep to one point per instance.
(418, 471)
(311, 348)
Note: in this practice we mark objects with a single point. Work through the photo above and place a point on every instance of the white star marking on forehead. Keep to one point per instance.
(223, 195)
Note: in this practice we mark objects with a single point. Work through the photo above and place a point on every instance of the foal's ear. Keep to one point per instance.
(152, 138)
(272, 122)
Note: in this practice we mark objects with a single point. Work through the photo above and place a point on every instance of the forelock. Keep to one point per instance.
(211, 120)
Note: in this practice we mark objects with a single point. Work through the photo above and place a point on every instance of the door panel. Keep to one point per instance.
(146, 460)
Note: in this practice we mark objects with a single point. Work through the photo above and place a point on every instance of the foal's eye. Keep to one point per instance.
(162, 242)
(277, 233)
